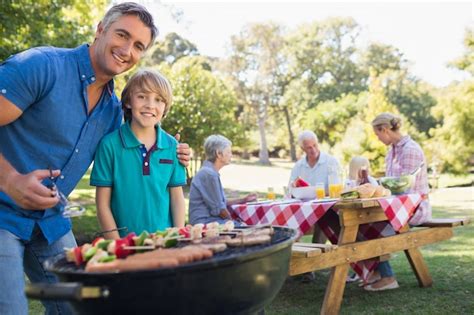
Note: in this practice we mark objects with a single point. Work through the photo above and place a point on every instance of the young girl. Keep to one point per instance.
(136, 171)
(359, 169)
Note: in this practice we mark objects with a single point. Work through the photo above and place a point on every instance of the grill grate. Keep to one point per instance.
(60, 265)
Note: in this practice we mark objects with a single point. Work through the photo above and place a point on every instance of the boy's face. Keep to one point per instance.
(121, 46)
(147, 108)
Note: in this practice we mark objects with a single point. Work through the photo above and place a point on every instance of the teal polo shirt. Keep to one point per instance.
(140, 179)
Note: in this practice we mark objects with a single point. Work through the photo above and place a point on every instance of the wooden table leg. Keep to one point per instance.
(418, 264)
(337, 280)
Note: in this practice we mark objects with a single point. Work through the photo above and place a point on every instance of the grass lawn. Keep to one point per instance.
(451, 263)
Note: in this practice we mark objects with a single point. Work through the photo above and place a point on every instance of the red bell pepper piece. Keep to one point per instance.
(185, 232)
(78, 259)
(120, 252)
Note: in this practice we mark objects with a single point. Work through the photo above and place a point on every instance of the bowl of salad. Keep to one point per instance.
(397, 184)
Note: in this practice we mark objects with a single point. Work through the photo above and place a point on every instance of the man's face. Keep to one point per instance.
(121, 46)
(311, 148)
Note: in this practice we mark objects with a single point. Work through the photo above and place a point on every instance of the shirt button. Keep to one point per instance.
(83, 76)
(4, 91)
(146, 163)
(62, 176)
(93, 79)
(77, 150)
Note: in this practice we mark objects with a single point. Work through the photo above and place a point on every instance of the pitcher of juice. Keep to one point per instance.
(335, 183)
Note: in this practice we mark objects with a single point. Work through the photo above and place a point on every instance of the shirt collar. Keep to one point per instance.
(402, 141)
(129, 140)
(322, 159)
(86, 72)
(210, 165)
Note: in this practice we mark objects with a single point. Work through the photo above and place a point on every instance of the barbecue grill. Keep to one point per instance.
(239, 280)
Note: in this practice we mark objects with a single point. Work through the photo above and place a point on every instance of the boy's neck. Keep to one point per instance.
(146, 136)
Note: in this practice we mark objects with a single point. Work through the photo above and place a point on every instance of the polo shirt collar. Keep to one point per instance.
(86, 72)
(129, 140)
(323, 158)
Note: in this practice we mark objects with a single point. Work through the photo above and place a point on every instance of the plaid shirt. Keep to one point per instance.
(403, 158)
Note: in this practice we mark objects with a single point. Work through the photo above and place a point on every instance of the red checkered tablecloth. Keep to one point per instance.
(303, 215)
(295, 214)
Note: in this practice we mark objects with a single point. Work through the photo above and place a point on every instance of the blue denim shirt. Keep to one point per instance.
(50, 86)
(206, 195)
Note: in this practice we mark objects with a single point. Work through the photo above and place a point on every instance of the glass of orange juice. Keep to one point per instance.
(271, 193)
(320, 191)
(335, 190)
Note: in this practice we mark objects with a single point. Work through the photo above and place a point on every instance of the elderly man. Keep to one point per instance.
(315, 166)
(55, 106)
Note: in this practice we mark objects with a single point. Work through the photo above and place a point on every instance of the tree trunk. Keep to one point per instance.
(263, 152)
(290, 134)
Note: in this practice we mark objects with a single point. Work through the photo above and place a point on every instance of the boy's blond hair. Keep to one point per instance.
(147, 80)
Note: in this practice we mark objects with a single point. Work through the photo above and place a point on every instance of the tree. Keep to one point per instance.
(203, 104)
(62, 23)
(454, 111)
(412, 97)
(172, 49)
(324, 53)
(255, 66)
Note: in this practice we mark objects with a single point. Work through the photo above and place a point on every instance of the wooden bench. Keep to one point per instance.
(307, 257)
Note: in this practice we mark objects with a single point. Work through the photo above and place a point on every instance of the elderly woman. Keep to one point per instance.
(207, 202)
(403, 157)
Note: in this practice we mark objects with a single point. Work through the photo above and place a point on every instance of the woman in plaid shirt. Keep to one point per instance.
(403, 157)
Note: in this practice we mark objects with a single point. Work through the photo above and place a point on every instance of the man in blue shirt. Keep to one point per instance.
(55, 106)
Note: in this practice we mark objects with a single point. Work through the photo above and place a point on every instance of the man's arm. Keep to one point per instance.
(27, 190)
(9, 112)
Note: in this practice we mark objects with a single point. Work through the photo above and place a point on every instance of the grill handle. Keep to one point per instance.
(64, 291)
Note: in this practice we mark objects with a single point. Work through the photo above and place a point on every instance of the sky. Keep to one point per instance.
(429, 34)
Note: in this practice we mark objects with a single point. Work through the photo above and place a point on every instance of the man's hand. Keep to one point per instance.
(224, 214)
(29, 193)
(184, 152)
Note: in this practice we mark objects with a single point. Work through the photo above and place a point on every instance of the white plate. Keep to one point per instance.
(324, 200)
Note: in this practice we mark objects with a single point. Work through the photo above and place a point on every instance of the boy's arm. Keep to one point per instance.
(177, 206)
(104, 213)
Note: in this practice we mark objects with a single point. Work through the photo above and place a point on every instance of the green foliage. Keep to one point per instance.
(202, 104)
(329, 119)
(172, 49)
(454, 111)
(455, 132)
(62, 23)
(324, 54)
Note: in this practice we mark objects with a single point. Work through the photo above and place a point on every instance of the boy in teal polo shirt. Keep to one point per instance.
(137, 175)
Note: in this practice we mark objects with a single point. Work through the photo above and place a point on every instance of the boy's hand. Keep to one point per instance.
(184, 152)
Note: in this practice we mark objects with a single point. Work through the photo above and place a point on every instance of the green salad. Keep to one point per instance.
(397, 185)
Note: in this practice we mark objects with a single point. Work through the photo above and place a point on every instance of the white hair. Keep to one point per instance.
(306, 135)
(215, 144)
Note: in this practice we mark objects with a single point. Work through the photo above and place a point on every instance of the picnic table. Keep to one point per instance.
(361, 229)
